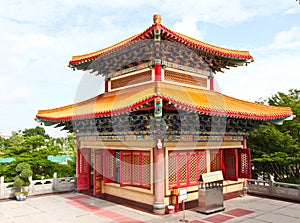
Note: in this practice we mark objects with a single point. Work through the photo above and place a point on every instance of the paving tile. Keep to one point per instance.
(238, 212)
(76, 197)
(274, 217)
(294, 206)
(218, 218)
(41, 217)
(86, 219)
(277, 202)
(289, 211)
(196, 221)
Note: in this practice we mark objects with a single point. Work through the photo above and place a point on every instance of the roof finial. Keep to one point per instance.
(157, 18)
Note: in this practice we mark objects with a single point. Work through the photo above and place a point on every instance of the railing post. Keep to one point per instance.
(271, 185)
(2, 187)
(54, 186)
(31, 185)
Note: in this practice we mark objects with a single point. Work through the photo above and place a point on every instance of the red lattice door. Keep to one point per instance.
(245, 163)
(231, 164)
(98, 171)
(83, 169)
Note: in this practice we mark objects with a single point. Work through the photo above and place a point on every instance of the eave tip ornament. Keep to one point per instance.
(157, 18)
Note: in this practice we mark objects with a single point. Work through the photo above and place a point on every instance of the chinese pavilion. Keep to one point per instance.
(160, 123)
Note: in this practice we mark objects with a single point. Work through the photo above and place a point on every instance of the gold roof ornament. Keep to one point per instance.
(157, 18)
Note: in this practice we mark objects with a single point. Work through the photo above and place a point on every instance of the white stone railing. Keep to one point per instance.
(274, 189)
(40, 186)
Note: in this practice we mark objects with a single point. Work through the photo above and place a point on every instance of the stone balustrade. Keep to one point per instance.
(274, 189)
(37, 187)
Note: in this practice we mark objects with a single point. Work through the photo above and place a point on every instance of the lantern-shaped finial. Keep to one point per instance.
(157, 18)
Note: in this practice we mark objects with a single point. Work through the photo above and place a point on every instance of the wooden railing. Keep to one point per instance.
(40, 186)
(274, 189)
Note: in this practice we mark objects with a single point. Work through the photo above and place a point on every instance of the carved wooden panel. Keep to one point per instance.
(131, 80)
(185, 78)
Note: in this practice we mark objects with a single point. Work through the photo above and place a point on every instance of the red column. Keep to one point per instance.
(106, 85)
(157, 71)
(212, 83)
(159, 177)
(244, 142)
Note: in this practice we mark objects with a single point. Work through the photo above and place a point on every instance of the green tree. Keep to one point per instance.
(37, 131)
(23, 173)
(276, 148)
(33, 146)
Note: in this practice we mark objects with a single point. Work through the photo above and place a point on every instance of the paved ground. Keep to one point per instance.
(75, 207)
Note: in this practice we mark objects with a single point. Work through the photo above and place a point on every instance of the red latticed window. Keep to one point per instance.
(216, 160)
(135, 169)
(125, 168)
(197, 162)
(109, 166)
(185, 168)
(245, 163)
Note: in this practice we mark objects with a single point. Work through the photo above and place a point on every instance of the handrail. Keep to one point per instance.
(274, 189)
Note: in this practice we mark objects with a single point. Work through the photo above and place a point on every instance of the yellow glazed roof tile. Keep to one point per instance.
(169, 35)
(197, 100)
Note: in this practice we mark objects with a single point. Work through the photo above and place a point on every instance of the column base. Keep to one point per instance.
(159, 208)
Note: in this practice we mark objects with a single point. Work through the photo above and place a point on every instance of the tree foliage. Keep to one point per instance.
(33, 146)
(24, 171)
(276, 148)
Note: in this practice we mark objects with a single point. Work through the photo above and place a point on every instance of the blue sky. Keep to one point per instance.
(38, 38)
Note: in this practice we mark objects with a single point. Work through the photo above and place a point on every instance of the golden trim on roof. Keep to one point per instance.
(99, 52)
(243, 53)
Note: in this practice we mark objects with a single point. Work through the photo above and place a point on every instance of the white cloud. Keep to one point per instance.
(188, 26)
(224, 13)
(13, 92)
(293, 10)
(271, 72)
(287, 39)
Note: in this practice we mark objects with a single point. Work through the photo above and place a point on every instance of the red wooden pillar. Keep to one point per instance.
(83, 169)
(244, 142)
(157, 71)
(159, 177)
(212, 83)
(106, 86)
